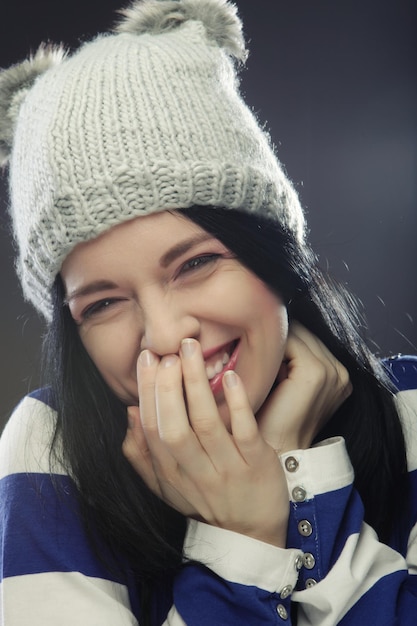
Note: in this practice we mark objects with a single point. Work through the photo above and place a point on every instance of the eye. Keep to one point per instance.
(98, 307)
(198, 262)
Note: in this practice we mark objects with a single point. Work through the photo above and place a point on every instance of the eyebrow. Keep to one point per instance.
(182, 247)
(171, 255)
(94, 287)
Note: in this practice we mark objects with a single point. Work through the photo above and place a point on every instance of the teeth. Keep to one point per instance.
(212, 370)
(218, 367)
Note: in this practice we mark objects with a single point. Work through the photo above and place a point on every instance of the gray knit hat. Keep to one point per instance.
(145, 119)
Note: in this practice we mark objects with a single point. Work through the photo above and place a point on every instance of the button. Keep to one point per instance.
(291, 464)
(282, 611)
(309, 561)
(299, 494)
(305, 528)
(299, 562)
(285, 592)
(310, 582)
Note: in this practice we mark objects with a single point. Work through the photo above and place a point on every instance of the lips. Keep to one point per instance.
(218, 361)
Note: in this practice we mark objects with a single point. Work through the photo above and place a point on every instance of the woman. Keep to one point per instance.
(216, 444)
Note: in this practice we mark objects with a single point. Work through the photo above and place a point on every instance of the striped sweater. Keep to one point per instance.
(335, 568)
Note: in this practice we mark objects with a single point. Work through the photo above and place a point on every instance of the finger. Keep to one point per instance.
(135, 448)
(147, 368)
(171, 413)
(286, 419)
(166, 486)
(315, 386)
(245, 430)
(202, 408)
(333, 370)
(175, 430)
(171, 443)
(312, 343)
(301, 342)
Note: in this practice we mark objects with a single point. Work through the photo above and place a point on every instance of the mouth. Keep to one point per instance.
(219, 361)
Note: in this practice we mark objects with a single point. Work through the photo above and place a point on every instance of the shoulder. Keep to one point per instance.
(402, 370)
(26, 440)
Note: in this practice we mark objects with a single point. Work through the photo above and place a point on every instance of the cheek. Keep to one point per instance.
(111, 354)
(277, 332)
(281, 324)
(274, 335)
(272, 316)
(267, 337)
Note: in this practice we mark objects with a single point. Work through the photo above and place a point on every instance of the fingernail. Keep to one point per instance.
(169, 361)
(188, 347)
(146, 358)
(230, 378)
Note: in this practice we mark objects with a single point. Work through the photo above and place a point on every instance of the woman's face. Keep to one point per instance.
(155, 280)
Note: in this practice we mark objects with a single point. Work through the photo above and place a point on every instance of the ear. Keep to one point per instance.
(15, 83)
(219, 18)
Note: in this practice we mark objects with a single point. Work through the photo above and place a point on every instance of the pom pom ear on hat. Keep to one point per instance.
(219, 18)
(15, 83)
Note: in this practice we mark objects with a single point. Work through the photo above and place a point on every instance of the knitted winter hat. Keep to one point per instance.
(145, 119)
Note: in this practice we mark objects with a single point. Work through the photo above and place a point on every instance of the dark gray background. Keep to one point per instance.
(336, 81)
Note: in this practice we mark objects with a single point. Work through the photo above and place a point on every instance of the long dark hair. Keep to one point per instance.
(117, 507)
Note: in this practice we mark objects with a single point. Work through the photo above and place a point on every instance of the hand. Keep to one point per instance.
(183, 451)
(312, 385)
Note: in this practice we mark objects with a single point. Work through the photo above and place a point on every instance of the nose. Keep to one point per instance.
(165, 325)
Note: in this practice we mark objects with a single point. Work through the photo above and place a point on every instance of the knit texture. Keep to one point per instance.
(147, 119)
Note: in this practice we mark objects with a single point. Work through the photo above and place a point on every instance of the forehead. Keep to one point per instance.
(165, 229)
